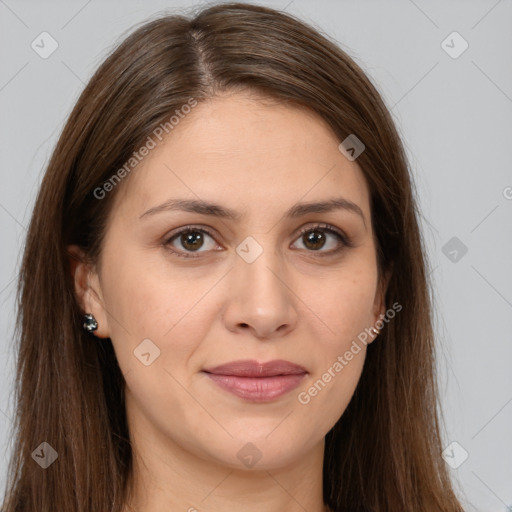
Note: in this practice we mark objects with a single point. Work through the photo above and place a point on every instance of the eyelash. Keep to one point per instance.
(344, 239)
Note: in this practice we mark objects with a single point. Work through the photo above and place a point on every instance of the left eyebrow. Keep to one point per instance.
(340, 203)
(298, 210)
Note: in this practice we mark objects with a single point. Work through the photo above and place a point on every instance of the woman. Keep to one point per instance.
(223, 302)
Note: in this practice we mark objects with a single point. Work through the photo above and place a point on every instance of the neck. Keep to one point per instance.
(165, 476)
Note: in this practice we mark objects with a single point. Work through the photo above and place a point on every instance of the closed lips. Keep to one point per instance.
(257, 382)
(251, 368)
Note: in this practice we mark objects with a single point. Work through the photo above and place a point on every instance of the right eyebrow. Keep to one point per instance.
(298, 210)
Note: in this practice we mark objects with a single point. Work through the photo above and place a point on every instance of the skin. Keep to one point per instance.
(258, 158)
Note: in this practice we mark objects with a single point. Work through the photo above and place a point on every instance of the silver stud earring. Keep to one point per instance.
(90, 323)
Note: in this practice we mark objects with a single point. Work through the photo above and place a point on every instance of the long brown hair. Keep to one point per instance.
(384, 454)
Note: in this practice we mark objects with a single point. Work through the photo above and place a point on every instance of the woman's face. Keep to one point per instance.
(250, 287)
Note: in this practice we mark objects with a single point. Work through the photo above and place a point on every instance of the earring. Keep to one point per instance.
(375, 331)
(90, 323)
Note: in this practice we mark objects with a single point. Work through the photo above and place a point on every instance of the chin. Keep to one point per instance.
(258, 452)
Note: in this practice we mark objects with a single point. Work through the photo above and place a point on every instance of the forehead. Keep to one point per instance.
(246, 152)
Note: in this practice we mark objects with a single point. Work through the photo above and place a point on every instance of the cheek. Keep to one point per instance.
(339, 357)
(324, 397)
(344, 302)
(147, 299)
(345, 306)
(143, 293)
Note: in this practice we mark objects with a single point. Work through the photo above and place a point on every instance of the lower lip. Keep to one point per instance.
(257, 389)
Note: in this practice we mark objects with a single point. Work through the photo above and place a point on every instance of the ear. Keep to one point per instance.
(379, 305)
(88, 289)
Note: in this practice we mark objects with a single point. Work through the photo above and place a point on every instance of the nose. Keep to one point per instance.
(261, 299)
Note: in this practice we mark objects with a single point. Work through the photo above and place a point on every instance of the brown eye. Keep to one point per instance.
(316, 238)
(191, 240)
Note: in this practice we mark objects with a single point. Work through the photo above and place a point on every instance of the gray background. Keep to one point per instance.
(455, 115)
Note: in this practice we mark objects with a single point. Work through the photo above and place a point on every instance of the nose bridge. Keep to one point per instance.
(259, 265)
(260, 298)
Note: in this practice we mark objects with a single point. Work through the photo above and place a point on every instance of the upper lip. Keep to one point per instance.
(251, 368)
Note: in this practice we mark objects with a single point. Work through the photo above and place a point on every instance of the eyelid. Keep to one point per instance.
(327, 227)
(311, 226)
(185, 229)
